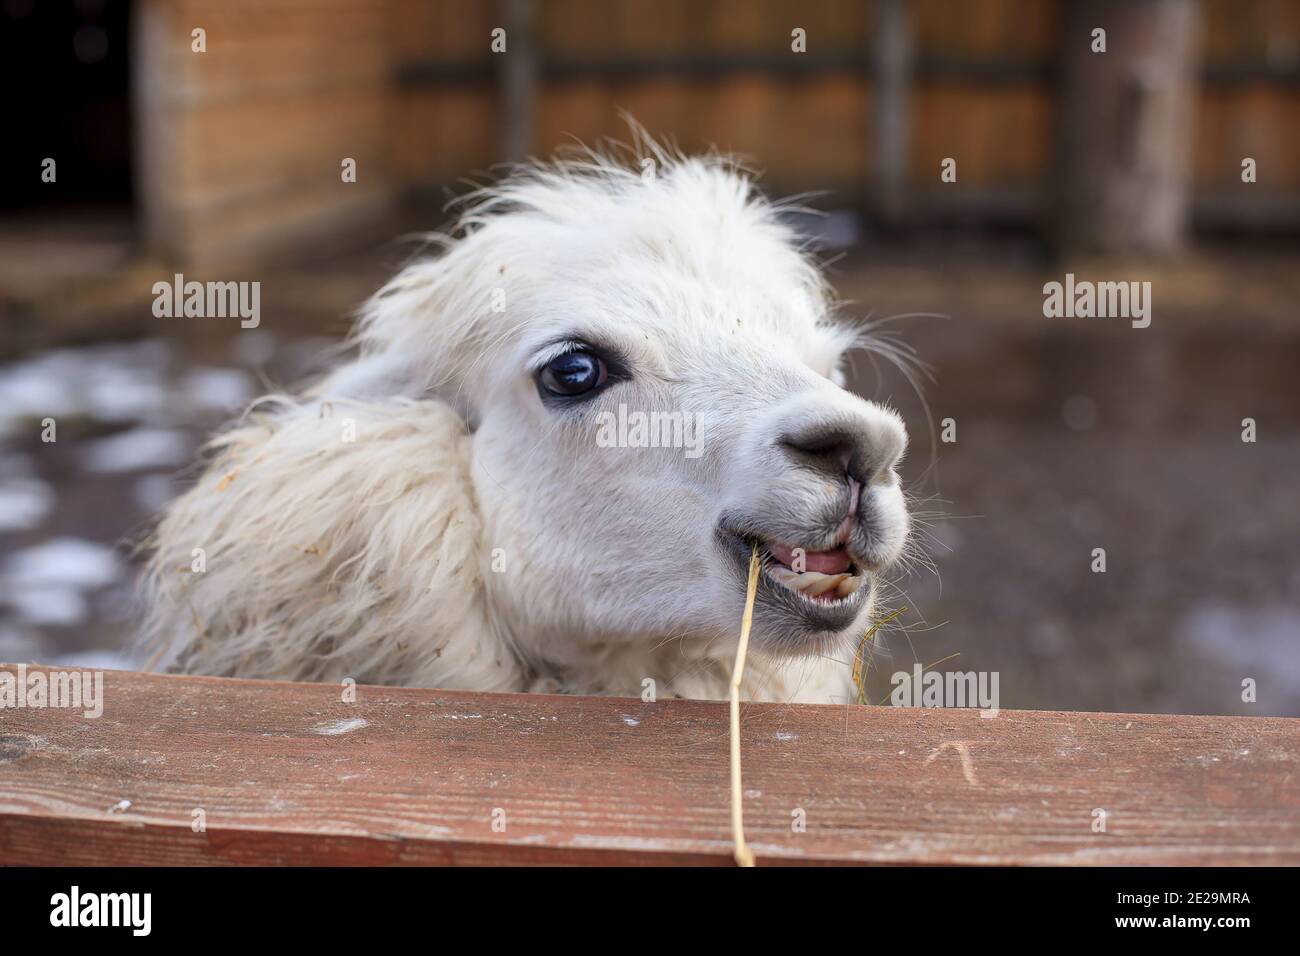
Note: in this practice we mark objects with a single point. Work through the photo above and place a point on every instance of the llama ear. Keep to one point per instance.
(420, 334)
(389, 375)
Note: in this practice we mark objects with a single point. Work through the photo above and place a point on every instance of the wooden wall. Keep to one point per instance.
(239, 147)
(1251, 107)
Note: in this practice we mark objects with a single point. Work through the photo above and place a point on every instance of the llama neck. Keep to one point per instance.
(698, 670)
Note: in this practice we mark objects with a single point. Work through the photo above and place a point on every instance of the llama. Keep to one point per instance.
(438, 511)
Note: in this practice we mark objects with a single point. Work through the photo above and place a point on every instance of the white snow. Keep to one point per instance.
(57, 605)
(71, 562)
(139, 449)
(18, 645)
(110, 383)
(1255, 641)
(24, 503)
(218, 389)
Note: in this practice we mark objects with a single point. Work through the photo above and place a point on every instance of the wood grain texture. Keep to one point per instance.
(289, 774)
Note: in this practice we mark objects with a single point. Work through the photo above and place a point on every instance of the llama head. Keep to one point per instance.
(650, 371)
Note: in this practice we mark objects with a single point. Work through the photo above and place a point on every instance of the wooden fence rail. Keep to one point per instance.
(187, 770)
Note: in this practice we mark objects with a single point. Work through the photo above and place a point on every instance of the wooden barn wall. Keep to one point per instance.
(1248, 116)
(444, 131)
(241, 145)
(770, 117)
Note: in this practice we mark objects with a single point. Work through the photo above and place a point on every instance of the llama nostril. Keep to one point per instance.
(831, 449)
(865, 448)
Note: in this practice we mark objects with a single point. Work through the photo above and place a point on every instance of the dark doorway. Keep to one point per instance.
(67, 95)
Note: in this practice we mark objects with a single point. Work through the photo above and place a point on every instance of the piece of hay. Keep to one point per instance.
(862, 668)
(744, 855)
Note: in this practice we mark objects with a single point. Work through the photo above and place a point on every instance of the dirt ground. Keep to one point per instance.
(1077, 434)
(1070, 435)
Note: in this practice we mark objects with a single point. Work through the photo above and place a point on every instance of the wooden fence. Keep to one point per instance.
(188, 770)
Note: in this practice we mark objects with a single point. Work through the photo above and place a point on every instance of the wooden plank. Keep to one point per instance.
(289, 773)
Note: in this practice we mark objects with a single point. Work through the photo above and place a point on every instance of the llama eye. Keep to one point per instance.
(573, 373)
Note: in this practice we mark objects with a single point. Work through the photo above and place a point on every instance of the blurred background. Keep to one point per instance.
(1071, 434)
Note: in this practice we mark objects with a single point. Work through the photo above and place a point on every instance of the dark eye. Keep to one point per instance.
(573, 373)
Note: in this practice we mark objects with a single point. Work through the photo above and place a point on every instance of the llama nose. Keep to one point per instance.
(861, 447)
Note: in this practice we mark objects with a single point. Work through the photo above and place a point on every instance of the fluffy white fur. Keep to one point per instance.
(472, 536)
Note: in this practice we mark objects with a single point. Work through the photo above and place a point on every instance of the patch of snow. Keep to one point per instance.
(57, 605)
(24, 503)
(35, 389)
(16, 645)
(218, 389)
(137, 450)
(70, 562)
(125, 394)
(1256, 641)
(110, 383)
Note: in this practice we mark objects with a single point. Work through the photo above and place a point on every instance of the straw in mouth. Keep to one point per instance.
(744, 855)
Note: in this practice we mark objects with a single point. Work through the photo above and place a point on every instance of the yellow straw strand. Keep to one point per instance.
(744, 855)
(860, 671)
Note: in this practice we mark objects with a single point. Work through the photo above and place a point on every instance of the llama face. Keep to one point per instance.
(605, 393)
(658, 397)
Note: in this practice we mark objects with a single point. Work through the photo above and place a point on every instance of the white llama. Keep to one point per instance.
(442, 512)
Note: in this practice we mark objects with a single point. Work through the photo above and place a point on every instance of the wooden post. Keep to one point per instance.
(891, 70)
(519, 68)
(1123, 180)
(155, 73)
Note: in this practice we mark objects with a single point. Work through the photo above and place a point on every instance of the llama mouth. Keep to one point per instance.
(805, 608)
(826, 577)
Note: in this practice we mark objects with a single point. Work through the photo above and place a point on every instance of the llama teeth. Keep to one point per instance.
(803, 581)
(787, 577)
(847, 586)
(816, 584)
(821, 583)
